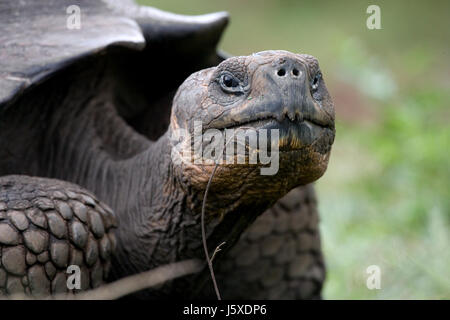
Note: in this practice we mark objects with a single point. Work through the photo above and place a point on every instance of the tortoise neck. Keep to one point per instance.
(160, 217)
(151, 211)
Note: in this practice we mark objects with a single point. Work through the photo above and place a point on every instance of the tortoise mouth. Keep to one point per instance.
(261, 123)
(292, 134)
(283, 120)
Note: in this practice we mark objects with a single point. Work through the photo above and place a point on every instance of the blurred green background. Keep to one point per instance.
(385, 198)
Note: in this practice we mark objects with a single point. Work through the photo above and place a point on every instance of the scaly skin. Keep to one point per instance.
(46, 225)
(77, 136)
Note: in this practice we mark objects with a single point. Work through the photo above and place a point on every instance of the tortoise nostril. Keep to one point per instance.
(281, 72)
(295, 72)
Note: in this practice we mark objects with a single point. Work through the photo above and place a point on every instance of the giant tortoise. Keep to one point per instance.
(88, 172)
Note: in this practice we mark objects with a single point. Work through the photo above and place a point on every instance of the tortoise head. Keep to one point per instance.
(233, 114)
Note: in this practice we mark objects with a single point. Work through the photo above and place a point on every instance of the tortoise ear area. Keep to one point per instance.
(189, 99)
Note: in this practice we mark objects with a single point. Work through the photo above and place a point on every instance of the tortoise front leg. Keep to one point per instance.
(45, 226)
(279, 255)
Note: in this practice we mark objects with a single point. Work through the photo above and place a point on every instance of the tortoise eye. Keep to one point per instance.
(229, 81)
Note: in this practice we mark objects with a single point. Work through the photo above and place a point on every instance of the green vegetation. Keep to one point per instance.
(385, 198)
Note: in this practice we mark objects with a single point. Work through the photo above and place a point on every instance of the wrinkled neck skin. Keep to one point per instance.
(160, 213)
(157, 209)
(146, 201)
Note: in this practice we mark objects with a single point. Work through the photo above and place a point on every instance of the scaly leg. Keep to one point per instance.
(47, 225)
